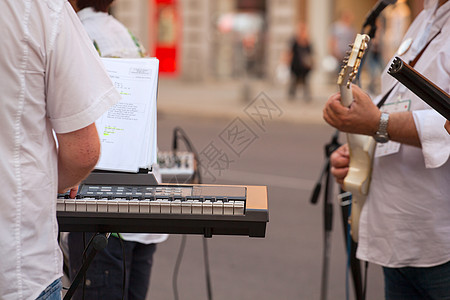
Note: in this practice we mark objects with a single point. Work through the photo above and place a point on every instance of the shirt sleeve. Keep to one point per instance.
(434, 138)
(78, 90)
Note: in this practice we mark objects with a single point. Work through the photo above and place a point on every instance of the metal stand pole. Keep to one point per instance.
(99, 242)
(328, 224)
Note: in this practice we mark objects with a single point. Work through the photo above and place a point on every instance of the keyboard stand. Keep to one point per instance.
(99, 242)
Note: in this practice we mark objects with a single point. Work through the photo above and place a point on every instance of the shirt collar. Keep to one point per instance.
(88, 12)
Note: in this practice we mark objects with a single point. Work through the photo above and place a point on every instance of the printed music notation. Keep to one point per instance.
(128, 129)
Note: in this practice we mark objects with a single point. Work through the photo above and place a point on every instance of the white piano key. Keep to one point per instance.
(80, 205)
(165, 206)
(175, 207)
(228, 208)
(239, 207)
(60, 204)
(91, 205)
(144, 206)
(186, 207)
(155, 207)
(133, 206)
(70, 204)
(207, 207)
(123, 205)
(102, 205)
(113, 205)
(197, 207)
(218, 208)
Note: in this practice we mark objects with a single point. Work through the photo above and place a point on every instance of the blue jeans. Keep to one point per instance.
(52, 292)
(417, 283)
(104, 277)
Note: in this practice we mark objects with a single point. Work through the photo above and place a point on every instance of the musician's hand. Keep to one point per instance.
(447, 126)
(340, 161)
(362, 117)
(72, 192)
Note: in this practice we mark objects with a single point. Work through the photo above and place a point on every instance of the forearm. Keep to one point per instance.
(71, 174)
(78, 154)
(401, 128)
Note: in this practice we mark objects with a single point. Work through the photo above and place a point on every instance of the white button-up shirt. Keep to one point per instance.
(52, 79)
(406, 218)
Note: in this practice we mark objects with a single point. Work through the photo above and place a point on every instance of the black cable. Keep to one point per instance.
(177, 266)
(178, 132)
(365, 279)
(207, 273)
(83, 289)
(124, 266)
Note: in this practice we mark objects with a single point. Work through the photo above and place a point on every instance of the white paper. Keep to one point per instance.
(128, 130)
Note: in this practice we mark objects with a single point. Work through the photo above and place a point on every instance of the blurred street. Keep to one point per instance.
(286, 154)
(228, 99)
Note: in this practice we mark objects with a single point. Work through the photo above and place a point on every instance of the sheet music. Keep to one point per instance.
(128, 129)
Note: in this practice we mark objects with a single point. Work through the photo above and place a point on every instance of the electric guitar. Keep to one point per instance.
(361, 147)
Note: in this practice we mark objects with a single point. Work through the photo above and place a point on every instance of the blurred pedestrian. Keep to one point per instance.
(104, 276)
(301, 62)
(342, 34)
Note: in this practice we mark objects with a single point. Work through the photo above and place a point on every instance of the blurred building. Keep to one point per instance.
(225, 39)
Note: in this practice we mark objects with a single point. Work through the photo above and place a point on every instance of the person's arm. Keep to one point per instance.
(363, 117)
(78, 154)
(447, 126)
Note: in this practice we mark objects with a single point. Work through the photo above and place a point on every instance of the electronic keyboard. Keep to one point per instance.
(182, 209)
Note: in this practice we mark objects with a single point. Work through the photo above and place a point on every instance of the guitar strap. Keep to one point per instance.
(412, 63)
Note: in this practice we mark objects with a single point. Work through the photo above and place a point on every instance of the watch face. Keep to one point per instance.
(381, 138)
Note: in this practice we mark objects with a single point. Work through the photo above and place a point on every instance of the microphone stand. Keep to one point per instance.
(328, 223)
(99, 242)
(328, 215)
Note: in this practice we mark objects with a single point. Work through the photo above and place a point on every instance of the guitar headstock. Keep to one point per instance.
(353, 60)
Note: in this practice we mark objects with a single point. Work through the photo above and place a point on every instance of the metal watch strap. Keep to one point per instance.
(381, 136)
(382, 127)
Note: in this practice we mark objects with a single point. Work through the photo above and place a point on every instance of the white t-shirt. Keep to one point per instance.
(406, 218)
(114, 40)
(52, 79)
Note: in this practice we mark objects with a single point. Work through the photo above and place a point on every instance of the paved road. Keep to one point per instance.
(287, 263)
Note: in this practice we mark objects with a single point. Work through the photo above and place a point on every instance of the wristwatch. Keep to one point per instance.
(381, 136)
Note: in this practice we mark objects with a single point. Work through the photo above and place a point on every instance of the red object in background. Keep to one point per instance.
(167, 35)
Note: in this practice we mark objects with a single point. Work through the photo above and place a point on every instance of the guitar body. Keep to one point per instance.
(357, 181)
(361, 147)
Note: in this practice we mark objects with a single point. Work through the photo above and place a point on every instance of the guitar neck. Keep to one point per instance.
(346, 95)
